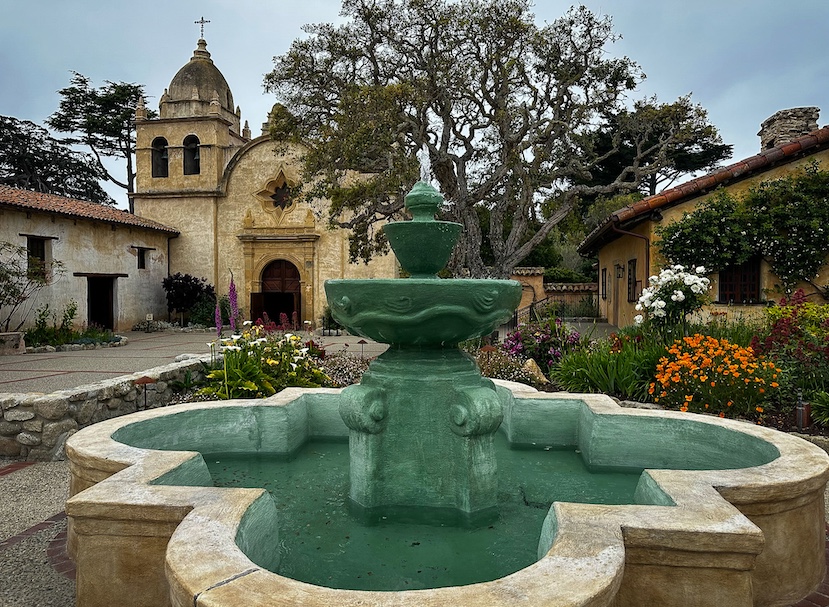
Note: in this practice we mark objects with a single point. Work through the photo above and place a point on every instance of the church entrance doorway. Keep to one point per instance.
(100, 291)
(280, 293)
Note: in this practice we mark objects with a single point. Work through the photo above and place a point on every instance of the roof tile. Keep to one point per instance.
(70, 207)
(697, 186)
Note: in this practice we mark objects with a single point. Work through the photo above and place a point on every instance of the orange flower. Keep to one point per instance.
(759, 409)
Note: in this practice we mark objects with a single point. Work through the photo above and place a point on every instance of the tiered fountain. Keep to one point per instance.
(422, 420)
(724, 513)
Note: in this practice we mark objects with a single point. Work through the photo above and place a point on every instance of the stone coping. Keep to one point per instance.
(735, 537)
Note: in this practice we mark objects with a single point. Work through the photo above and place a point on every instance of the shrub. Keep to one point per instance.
(498, 364)
(343, 368)
(740, 330)
(672, 295)
(796, 337)
(255, 365)
(820, 408)
(708, 375)
(545, 342)
(204, 311)
(63, 332)
(184, 290)
(56, 334)
(622, 366)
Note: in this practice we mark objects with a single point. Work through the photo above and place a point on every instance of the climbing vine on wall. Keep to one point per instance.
(715, 235)
(786, 221)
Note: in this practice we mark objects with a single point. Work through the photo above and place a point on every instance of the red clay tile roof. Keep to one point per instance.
(813, 142)
(69, 207)
(527, 271)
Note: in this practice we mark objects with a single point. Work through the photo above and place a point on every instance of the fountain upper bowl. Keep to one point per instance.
(422, 311)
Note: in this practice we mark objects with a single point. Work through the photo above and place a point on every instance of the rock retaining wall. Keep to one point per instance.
(76, 347)
(35, 426)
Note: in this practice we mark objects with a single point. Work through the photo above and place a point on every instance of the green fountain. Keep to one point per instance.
(422, 420)
(710, 511)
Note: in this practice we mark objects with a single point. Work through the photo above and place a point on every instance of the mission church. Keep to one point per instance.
(211, 201)
(228, 195)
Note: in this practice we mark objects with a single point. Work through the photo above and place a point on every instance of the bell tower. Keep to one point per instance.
(181, 156)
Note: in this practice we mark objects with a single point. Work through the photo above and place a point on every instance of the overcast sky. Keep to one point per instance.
(741, 59)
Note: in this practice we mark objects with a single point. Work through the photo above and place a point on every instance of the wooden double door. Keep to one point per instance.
(280, 294)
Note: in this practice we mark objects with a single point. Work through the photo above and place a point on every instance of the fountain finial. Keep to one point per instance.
(422, 245)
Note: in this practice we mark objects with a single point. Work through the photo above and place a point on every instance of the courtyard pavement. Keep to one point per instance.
(35, 570)
(52, 371)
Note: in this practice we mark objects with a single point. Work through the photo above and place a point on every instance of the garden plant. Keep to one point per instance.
(257, 363)
(49, 331)
(704, 374)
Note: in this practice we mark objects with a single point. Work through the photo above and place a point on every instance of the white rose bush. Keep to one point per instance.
(671, 295)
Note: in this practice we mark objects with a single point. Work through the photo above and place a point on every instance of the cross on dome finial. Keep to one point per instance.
(201, 23)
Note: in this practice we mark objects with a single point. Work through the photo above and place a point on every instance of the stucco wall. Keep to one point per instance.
(228, 222)
(92, 247)
(252, 232)
(613, 259)
(628, 247)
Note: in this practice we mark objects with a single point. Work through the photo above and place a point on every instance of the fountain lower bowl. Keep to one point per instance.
(422, 311)
(143, 529)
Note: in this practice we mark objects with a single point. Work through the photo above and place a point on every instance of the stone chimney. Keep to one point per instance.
(787, 125)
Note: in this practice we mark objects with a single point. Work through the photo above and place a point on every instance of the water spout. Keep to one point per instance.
(425, 164)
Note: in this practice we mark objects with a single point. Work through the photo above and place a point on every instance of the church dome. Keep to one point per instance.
(199, 89)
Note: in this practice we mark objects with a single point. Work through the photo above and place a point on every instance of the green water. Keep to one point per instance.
(321, 543)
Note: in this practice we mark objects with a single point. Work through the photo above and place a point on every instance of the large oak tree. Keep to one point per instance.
(508, 110)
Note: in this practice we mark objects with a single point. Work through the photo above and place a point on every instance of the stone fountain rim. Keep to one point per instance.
(583, 566)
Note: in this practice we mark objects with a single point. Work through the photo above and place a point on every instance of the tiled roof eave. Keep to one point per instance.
(639, 211)
(37, 202)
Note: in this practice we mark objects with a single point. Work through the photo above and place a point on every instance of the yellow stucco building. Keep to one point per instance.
(200, 172)
(624, 241)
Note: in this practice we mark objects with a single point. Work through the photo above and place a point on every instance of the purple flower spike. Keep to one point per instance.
(234, 304)
(218, 320)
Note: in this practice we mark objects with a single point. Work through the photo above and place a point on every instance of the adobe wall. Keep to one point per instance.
(95, 248)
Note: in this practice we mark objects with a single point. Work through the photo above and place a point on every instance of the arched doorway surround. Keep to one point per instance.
(265, 244)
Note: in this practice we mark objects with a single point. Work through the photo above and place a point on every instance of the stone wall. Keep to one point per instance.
(787, 125)
(35, 426)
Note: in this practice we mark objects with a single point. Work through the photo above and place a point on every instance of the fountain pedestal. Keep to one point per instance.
(422, 423)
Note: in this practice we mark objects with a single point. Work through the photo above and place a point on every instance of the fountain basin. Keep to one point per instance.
(143, 531)
(422, 311)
